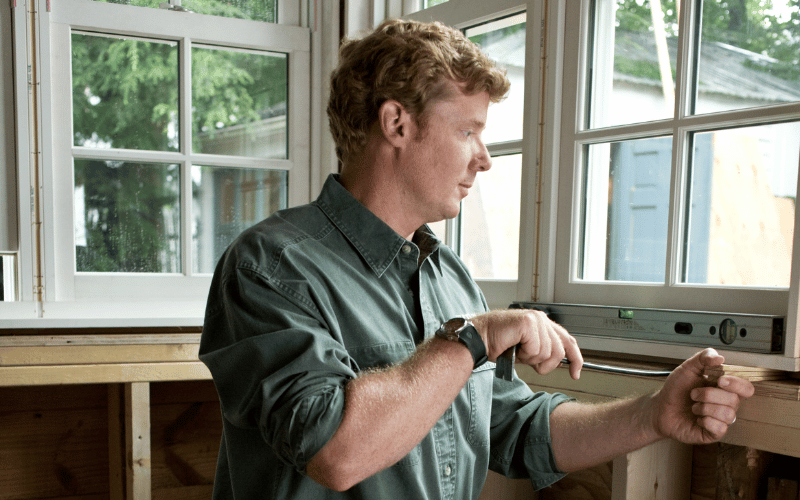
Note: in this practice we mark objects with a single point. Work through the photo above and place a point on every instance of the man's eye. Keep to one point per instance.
(468, 133)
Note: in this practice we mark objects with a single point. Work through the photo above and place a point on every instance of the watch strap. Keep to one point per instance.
(470, 337)
(462, 330)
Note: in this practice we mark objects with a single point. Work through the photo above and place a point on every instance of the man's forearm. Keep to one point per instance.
(585, 435)
(388, 412)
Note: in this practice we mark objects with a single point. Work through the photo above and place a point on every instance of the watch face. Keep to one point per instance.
(454, 325)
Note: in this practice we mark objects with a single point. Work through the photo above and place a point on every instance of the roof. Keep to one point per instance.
(724, 69)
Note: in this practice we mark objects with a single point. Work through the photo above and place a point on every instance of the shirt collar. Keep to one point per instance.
(377, 243)
(428, 245)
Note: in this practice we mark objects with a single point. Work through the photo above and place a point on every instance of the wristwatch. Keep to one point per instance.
(462, 330)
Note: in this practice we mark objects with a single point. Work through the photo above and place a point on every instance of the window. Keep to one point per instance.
(680, 150)
(172, 130)
(488, 232)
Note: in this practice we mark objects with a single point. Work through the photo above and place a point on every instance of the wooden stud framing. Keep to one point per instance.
(129, 441)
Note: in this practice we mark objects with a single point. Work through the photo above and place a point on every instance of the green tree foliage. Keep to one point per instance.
(126, 96)
(753, 25)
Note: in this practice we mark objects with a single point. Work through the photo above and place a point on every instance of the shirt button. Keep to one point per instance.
(406, 249)
(447, 470)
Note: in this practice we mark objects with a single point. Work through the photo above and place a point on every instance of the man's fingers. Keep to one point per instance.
(739, 386)
(715, 395)
(713, 428)
(552, 362)
(724, 414)
(573, 354)
(707, 358)
(710, 357)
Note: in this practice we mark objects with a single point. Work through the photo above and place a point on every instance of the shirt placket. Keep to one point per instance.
(444, 433)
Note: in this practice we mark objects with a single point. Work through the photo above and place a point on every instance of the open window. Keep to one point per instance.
(491, 234)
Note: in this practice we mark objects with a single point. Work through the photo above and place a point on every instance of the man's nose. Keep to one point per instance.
(483, 158)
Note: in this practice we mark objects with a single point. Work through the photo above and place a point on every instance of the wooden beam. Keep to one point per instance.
(116, 442)
(137, 441)
(661, 471)
(102, 373)
(96, 354)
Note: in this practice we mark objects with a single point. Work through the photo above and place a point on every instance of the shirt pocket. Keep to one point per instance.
(380, 356)
(479, 390)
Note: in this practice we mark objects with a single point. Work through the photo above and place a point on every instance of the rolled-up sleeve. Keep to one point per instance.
(276, 366)
(520, 433)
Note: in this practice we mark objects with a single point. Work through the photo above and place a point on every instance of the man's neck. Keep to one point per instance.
(381, 196)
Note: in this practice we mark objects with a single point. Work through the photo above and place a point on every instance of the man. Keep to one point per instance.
(335, 331)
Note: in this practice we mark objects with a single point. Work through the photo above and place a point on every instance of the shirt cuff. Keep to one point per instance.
(539, 457)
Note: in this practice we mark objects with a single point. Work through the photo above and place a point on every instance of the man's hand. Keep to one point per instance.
(690, 409)
(540, 342)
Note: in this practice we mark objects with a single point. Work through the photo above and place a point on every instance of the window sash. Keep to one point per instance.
(535, 267)
(671, 294)
(77, 295)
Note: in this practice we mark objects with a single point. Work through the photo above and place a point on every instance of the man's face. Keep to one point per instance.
(446, 156)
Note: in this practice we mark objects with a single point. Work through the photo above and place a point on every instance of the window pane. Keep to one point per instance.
(254, 10)
(504, 42)
(748, 56)
(431, 3)
(8, 278)
(439, 229)
(632, 62)
(127, 217)
(626, 210)
(741, 218)
(239, 102)
(124, 93)
(226, 201)
(490, 222)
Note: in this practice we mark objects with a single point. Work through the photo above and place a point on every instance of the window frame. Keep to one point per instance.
(129, 299)
(672, 294)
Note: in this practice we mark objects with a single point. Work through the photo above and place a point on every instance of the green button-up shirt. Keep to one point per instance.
(303, 301)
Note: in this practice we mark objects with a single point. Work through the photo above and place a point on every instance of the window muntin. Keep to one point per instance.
(254, 10)
(740, 223)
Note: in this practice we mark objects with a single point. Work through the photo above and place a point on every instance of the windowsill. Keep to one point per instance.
(98, 314)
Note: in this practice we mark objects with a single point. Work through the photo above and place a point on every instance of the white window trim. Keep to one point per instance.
(74, 299)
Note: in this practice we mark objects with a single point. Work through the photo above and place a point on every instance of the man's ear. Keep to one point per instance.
(395, 122)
